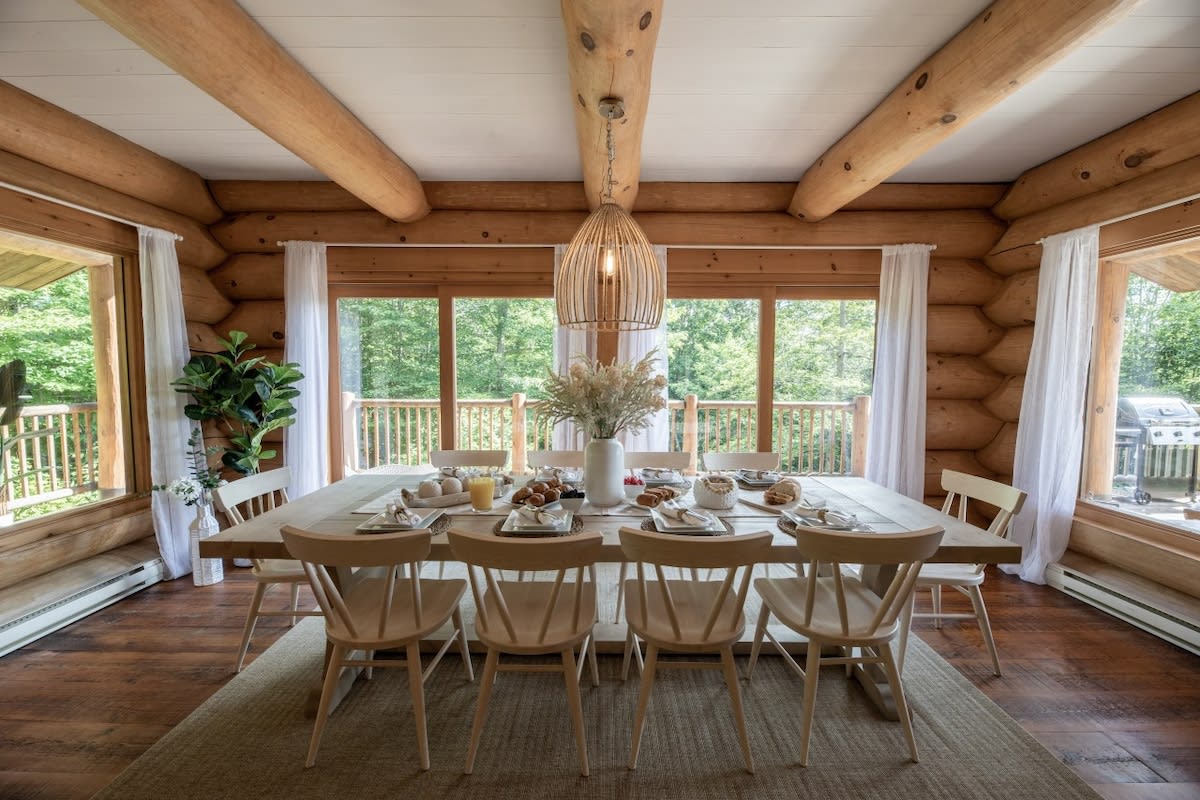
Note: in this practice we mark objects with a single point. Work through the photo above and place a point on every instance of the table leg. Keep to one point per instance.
(872, 677)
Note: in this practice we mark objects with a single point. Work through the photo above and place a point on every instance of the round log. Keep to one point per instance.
(202, 301)
(998, 454)
(958, 460)
(959, 377)
(1016, 302)
(1018, 259)
(262, 320)
(1005, 402)
(961, 281)
(959, 425)
(960, 329)
(203, 339)
(1010, 355)
(250, 276)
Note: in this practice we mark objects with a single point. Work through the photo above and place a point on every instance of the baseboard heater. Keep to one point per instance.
(1121, 603)
(59, 613)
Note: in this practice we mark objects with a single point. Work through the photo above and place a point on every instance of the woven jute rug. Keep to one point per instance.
(250, 739)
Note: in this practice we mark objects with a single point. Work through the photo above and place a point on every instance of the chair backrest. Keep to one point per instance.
(319, 552)
(735, 554)
(468, 458)
(252, 495)
(907, 552)
(963, 487)
(715, 462)
(667, 459)
(555, 458)
(490, 554)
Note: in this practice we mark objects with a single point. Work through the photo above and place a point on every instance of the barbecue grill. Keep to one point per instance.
(1147, 423)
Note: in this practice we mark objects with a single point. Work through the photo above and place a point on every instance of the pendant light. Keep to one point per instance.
(609, 278)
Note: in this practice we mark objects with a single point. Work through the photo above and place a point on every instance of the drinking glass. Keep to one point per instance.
(481, 490)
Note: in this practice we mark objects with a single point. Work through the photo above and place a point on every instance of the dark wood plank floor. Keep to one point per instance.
(1121, 707)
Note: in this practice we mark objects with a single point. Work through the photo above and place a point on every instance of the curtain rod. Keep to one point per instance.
(77, 207)
(669, 246)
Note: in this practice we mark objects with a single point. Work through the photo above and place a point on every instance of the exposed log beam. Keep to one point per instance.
(220, 48)
(1158, 140)
(34, 129)
(610, 52)
(237, 197)
(1006, 45)
(197, 248)
(957, 234)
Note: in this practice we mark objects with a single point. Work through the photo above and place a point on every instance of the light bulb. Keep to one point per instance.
(610, 262)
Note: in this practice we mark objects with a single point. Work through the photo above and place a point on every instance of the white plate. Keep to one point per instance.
(564, 474)
(514, 524)
(548, 506)
(814, 522)
(757, 501)
(748, 477)
(652, 477)
(380, 523)
(667, 524)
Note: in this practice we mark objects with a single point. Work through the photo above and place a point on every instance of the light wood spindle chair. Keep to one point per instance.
(571, 459)
(838, 609)
(688, 616)
(373, 609)
(966, 578)
(468, 458)
(245, 499)
(720, 462)
(532, 617)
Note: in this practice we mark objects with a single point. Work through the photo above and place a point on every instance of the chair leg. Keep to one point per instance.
(985, 625)
(760, 630)
(643, 701)
(462, 644)
(369, 672)
(905, 626)
(592, 578)
(812, 673)
(593, 664)
(936, 591)
(630, 644)
(416, 687)
(621, 590)
(576, 706)
(485, 694)
(333, 670)
(735, 699)
(893, 676)
(251, 618)
(295, 602)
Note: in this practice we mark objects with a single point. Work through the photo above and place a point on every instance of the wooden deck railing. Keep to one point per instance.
(825, 438)
(49, 452)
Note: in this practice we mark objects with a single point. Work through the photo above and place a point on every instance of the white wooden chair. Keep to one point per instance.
(689, 616)
(468, 458)
(555, 458)
(374, 609)
(667, 459)
(245, 499)
(966, 578)
(719, 462)
(842, 611)
(532, 617)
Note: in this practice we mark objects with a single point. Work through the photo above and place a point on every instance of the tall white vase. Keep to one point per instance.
(205, 571)
(603, 472)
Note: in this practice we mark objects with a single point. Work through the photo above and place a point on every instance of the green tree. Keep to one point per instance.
(1176, 343)
(51, 329)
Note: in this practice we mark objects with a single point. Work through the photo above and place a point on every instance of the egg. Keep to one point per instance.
(451, 486)
(429, 489)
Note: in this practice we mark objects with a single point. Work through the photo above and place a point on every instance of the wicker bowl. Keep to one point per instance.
(715, 491)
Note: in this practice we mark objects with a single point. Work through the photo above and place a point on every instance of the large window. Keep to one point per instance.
(64, 437)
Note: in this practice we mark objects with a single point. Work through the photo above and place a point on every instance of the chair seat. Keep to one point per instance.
(279, 570)
(439, 599)
(693, 599)
(787, 599)
(526, 602)
(950, 575)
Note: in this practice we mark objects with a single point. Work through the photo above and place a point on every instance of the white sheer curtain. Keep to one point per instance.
(1050, 436)
(569, 343)
(166, 350)
(896, 442)
(306, 341)
(633, 346)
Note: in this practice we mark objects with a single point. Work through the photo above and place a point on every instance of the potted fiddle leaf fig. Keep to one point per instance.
(248, 397)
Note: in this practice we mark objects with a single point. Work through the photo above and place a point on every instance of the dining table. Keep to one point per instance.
(343, 506)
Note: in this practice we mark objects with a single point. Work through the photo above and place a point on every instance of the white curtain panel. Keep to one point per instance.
(633, 346)
(306, 341)
(166, 350)
(568, 344)
(1050, 434)
(896, 443)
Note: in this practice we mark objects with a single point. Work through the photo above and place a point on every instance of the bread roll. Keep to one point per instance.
(648, 500)
(429, 489)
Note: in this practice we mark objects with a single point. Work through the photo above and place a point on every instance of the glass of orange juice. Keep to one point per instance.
(481, 489)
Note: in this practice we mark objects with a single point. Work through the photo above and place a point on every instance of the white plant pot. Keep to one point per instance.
(604, 472)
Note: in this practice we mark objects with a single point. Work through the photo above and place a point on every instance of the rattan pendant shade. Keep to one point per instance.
(609, 279)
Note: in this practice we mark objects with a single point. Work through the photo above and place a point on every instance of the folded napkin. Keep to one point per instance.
(402, 514)
(823, 516)
(658, 472)
(675, 510)
(761, 474)
(539, 516)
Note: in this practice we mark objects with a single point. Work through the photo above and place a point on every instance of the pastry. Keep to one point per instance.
(552, 495)
(429, 489)
(522, 494)
(536, 499)
(538, 486)
(648, 500)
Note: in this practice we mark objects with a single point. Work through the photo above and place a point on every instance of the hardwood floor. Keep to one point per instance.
(1119, 706)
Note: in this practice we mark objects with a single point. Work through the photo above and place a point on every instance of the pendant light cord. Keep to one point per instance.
(612, 154)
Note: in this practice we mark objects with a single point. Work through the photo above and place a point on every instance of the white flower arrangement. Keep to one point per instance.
(195, 489)
(605, 399)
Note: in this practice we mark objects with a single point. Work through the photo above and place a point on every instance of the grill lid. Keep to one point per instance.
(1144, 411)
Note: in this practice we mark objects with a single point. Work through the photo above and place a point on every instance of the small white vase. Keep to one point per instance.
(205, 571)
(603, 472)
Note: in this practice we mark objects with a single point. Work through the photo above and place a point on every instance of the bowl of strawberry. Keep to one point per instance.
(634, 486)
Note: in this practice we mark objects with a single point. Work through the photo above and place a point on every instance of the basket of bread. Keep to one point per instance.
(715, 491)
(783, 492)
(539, 493)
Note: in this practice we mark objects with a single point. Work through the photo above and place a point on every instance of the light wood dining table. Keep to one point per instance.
(332, 510)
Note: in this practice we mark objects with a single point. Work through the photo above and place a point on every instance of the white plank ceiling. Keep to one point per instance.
(478, 89)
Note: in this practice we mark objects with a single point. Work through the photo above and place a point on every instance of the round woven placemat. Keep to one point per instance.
(440, 525)
(648, 525)
(576, 527)
(786, 525)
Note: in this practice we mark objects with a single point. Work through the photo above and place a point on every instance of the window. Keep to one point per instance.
(65, 440)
